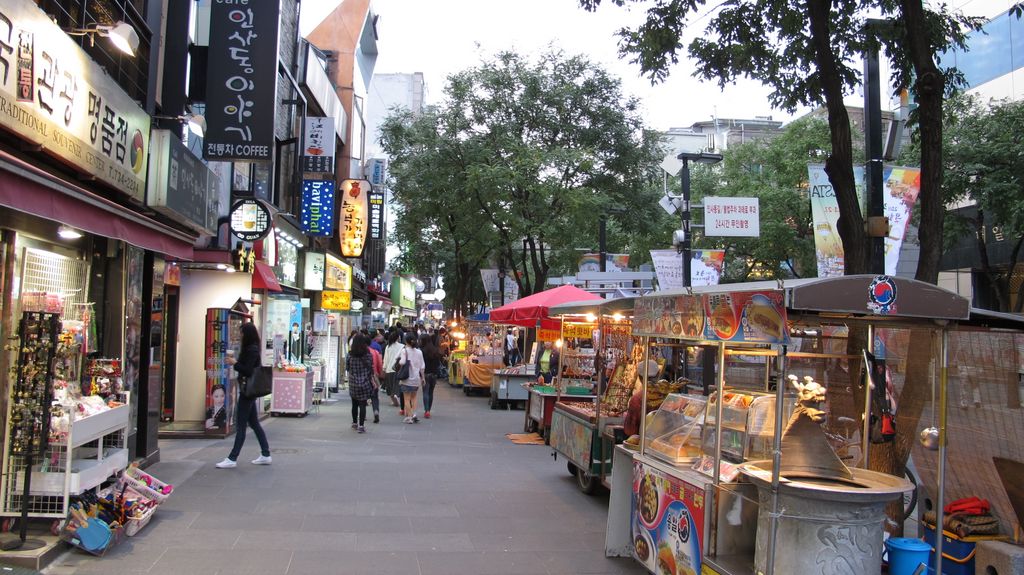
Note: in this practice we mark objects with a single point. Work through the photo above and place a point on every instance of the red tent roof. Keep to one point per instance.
(531, 309)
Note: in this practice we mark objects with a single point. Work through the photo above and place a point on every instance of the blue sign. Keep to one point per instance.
(317, 207)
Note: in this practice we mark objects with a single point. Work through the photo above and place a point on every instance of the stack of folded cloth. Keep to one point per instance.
(966, 517)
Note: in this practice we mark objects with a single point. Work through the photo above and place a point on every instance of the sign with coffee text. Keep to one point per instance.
(241, 80)
(55, 96)
(354, 217)
(317, 215)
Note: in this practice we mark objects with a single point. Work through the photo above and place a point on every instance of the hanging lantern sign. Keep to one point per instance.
(354, 217)
(250, 219)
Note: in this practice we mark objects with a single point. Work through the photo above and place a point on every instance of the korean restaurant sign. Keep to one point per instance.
(354, 217)
(314, 276)
(54, 95)
(318, 150)
(241, 80)
(337, 274)
(317, 215)
(376, 215)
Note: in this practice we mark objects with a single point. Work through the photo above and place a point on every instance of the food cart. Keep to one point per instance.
(482, 355)
(597, 368)
(709, 489)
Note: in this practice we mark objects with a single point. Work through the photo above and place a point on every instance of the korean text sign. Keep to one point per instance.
(318, 150)
(241, 80)
(54, 95)
(732, 217)
(354, 217)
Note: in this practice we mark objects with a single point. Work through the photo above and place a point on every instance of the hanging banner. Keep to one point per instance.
(706, 268)
(317, 215)
(492, 284)
(241, 81)
(901, 186)
(354, 217)
(613, 262)
(578, 330)
(376, 215)
(318, 149)
(732, 217)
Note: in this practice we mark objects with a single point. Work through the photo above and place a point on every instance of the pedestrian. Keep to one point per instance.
(391, 352)
(431, 367)
(512, 348)
(411, 386)
(359, 365)
(245, 408)
(378, 342)
(547, 363)
(378, 373)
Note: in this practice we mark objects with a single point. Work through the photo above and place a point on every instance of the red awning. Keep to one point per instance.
(528, 311)
(263, 278)
(29, 189)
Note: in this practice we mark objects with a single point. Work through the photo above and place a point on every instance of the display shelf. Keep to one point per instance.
(748, 424)
(84, 474)
(98, 425)
(674, 434)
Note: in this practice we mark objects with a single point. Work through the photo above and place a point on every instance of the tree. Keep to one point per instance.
(534, 152)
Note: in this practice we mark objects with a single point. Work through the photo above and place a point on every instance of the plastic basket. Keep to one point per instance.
(147, 485)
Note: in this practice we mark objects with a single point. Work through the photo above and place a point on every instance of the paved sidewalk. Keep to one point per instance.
(450, 495)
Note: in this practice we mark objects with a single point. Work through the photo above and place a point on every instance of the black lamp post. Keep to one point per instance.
(685, 243)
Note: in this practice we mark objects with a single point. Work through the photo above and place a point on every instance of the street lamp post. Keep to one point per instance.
(685, 243)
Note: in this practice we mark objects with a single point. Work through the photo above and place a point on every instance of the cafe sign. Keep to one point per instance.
(337, 274)
(336, 300)
(354, 217)
(250, 219)
(54, 95)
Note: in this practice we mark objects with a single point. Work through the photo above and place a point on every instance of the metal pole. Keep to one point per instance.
(940, 500)
(646, 342)
(602, 240)
(873, 149)
(684, 213)
(719, 410)
(780, 394)
(866, 430)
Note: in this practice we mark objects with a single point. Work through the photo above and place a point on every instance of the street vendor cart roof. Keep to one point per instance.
(592, 306)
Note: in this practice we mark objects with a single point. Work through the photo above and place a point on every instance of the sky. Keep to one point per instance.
(440, 37)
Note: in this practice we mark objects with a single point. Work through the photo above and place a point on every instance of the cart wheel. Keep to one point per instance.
(572, 468)
(586, 482)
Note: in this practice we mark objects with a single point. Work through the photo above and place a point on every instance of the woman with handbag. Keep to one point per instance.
(391, 353)
(359, 365)
(410, 376)
(245, 410)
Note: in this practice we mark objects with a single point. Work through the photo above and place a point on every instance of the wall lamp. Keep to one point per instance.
(68, 233)
(122, 35)
(196, 122)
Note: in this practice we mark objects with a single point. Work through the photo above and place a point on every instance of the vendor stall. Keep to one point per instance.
(483, 354)
(509, 386)
(719, 483)
(293, 391)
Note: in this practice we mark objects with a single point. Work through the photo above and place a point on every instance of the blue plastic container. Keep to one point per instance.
(906, 555)
(957, 555)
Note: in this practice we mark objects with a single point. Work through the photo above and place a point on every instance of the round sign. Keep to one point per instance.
(439, 294)
(250, 219)
(357, 305)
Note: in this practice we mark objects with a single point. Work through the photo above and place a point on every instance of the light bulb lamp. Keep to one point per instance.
(196, 122)
(122, 35)
(68, 233)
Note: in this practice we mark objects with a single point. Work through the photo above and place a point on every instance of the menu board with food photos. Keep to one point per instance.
(667, 519)
(727, 316)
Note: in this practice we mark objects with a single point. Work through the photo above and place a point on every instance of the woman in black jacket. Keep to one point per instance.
(245, 413)
(431, 365)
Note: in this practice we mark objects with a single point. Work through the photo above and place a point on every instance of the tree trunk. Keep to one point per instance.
(839, 165)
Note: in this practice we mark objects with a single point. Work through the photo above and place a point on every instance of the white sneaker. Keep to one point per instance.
(226, 464)
(262, 460)
(407, 420)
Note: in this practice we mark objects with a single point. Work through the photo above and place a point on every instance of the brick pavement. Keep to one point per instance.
(450, 495)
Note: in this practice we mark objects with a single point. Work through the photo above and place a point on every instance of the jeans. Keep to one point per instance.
(245, 414)
(359, 411)
(375, 401)
(428, 391)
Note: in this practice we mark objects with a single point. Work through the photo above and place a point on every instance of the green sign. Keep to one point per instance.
(403, 293)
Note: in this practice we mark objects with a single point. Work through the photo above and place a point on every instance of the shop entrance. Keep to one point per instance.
(170, 353)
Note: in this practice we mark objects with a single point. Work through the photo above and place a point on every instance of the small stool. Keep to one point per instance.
(318, 397)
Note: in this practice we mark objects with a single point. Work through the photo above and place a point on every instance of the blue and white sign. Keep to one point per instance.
(317, 215)
(376, 171)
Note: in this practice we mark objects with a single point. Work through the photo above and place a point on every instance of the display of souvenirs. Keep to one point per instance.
(31, 391)
(578, 363)
(674, 432)
(104, 378)
(41, 301)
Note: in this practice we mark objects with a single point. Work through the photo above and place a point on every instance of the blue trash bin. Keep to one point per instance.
(906, 555)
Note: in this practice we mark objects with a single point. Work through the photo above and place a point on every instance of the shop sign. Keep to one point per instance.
(376, 215)
(548, 334)
(244, 259)
(172, 274)
(287, 268)
(317, 216)
(336, 300)
(338, 274)
(354, 217)
(731, 217)
(318, 150)
(54, 95)
(578, 330)
(358, 275)
(375, 170)
(705, 268)
(250, 219)
(180, 185)
(314, 276)
(403, 292)
(241, 79)
(758, 316)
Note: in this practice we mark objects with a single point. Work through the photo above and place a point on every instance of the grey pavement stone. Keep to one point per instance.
(448, 496)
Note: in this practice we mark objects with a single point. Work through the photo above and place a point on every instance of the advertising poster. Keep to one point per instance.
(613, 262)
(667, 520)
(746, 316)
(223, 334)
(570, 438)
(706, 267)
(672, 316)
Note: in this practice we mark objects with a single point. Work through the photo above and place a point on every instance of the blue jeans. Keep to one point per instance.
(428, 390)
(245, 414)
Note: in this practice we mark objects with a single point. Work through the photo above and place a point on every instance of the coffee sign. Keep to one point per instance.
(250, 220)
(54, 95)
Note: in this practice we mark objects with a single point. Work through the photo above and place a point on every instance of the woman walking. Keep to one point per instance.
(245, 410)
(431, 367)
(391, 353)
(359, 364)
(414, 358)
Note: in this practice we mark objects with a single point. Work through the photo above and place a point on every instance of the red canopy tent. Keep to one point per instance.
(530, 310)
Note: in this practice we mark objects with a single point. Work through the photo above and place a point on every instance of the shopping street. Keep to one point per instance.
(449, 495)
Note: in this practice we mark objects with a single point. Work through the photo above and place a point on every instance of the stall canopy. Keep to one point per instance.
(593, 306)
(528, 311)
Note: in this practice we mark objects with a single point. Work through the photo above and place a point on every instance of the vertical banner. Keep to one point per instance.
(901, 188)
(492, 285)
(354, 217)
(317, 216)
(241, 81)
(706, 268)
(376, 215)
(318, 149)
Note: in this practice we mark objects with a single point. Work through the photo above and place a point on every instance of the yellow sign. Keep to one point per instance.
(578, 330)
(336, 300)
(354, 217)
(547, 335)
(337, 274)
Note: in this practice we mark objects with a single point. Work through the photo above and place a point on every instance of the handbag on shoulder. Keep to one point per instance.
(260, 383)
(403, 371)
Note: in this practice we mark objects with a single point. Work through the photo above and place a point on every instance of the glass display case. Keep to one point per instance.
(674, 432)
(748, 425)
